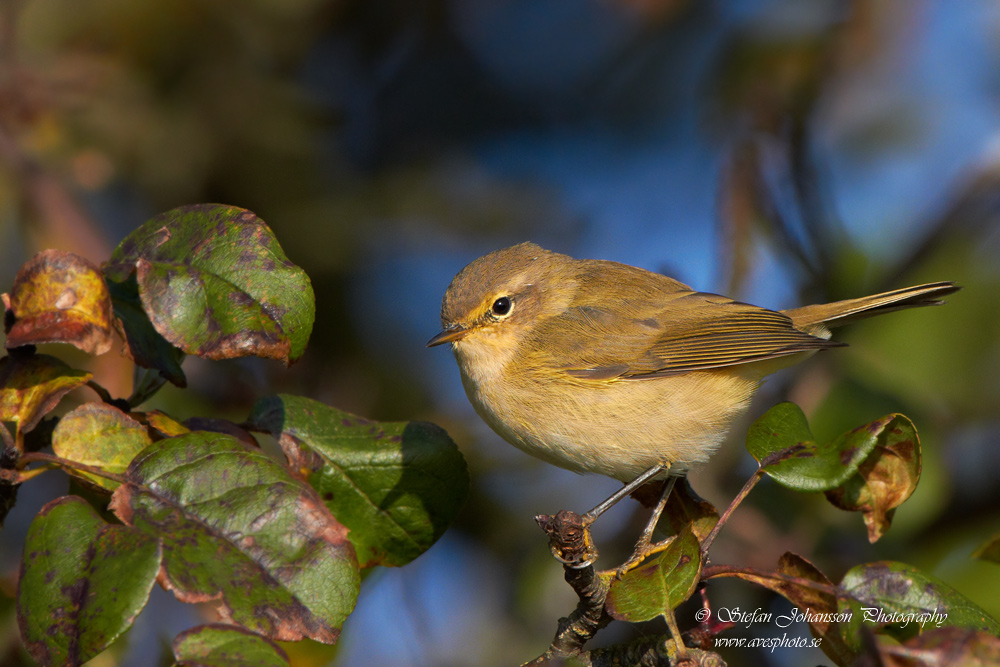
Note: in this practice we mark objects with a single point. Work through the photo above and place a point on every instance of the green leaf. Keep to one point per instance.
(59, 297)
(31, 386)
(886, 478)
(143, 344)
(396, 485)
(219, 645)
(783, 445)
(903, 600)
(215, 283)
(238, 529)
(82, 583)
(99, 435)
(656, 588)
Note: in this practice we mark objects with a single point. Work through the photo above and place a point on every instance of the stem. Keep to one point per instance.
(103, 393)
(24, 475)
(750, 483)
(66, 463)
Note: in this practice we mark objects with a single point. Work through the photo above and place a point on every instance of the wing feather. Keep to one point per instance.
(662, 334)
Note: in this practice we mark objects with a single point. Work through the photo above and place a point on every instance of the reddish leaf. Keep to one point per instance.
(805, 586)
(59, 297)
(31, 386)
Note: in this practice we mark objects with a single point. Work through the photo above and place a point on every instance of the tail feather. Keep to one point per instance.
(844, 312)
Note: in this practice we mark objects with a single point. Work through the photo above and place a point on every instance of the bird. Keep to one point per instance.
(601, 367)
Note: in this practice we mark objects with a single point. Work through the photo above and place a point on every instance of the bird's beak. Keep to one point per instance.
(452, 333)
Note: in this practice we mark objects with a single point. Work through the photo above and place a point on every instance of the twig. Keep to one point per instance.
(750, 483)
(66, 463)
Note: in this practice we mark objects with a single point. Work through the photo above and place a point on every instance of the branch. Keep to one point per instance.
(571, 543)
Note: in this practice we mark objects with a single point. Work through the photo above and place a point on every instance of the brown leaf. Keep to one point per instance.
(884, 480)
(59, 297)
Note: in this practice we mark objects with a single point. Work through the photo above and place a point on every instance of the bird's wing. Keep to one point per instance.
(687, 331)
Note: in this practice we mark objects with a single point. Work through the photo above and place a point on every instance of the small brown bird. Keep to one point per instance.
(601, 367)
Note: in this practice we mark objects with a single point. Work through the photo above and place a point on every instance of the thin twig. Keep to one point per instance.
(66, 463)
(750, 483)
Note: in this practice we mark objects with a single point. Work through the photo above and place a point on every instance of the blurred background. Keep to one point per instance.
(779, 152)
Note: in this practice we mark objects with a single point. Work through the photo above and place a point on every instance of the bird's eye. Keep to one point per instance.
(501, 306)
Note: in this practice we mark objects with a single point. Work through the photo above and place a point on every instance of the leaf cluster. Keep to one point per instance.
(277, 543)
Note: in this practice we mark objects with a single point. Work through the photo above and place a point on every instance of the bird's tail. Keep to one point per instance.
(825, 315)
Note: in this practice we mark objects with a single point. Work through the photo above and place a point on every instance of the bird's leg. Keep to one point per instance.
(613, 499)
(644, 547)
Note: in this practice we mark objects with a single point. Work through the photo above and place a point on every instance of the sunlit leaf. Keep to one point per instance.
(903, 600)
(239, 530)
(99, 435)
(160, 424)
(31, 386)
(886, 478)
(215, 283)
(657, 587)
(218, 645)
(781, 441)
(82, 582)
(945, 646)
(396, 485)
(59, 297)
